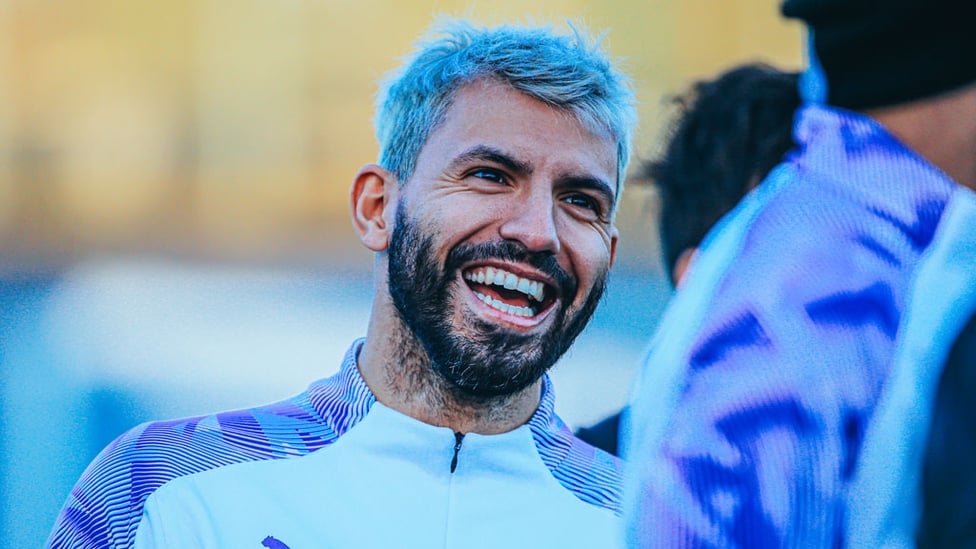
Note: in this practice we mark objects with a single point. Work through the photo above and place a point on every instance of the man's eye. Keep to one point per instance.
(490, 175)
(583, 201)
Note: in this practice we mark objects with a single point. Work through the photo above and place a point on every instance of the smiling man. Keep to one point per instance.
(491, 215)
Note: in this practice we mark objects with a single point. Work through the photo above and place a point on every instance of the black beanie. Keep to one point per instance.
(877, 53)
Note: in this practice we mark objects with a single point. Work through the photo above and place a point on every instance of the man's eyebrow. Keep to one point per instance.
(485, 153)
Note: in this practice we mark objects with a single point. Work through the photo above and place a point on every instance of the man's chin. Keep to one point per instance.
(482, 389)
(494, 369)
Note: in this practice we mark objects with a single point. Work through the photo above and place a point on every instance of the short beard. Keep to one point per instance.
(481, 360)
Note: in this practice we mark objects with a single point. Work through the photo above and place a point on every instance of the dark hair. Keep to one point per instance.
(729, 133)
(948, 483)
(879, 54)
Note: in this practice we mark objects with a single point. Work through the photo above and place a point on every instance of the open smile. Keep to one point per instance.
(511, 294)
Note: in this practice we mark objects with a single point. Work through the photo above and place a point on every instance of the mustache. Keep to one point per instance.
(513, 252)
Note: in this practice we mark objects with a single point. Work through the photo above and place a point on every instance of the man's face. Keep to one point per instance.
(503, 238)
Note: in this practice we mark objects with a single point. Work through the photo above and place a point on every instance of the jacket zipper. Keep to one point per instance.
(458, 437)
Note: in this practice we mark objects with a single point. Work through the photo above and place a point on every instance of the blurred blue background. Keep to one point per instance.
(174, 236)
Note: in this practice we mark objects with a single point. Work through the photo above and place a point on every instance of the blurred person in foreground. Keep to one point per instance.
(787, 398)
(727, 134)
(491, 215)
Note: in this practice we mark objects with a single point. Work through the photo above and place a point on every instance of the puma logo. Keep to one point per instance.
(271, 543)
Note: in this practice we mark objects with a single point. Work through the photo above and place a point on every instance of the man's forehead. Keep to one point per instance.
(495, 115)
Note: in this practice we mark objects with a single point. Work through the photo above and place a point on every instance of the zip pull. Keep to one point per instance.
(458, 437)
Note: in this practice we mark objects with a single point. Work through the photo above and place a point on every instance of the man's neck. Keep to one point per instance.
(399, 373)
(942, 130)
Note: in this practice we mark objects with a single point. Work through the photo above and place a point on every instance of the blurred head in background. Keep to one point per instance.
(729, 133)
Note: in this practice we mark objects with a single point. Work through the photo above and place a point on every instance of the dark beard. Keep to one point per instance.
(481, 360)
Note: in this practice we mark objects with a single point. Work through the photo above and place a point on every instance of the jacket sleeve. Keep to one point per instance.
(104, 506)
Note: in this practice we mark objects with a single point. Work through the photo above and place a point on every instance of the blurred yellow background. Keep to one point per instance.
(174, 235)
(231, 129)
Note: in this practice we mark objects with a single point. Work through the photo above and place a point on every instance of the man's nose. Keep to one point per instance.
(531, 221)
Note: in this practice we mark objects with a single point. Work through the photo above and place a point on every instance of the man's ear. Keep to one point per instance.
(681, 265)
(614, 234)
(373, 199)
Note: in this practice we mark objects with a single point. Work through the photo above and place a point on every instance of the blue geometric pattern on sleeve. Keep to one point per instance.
(592, 475)
(105, 506)
(798, 338)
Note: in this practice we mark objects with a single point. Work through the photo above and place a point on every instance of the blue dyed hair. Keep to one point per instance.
(568, 72)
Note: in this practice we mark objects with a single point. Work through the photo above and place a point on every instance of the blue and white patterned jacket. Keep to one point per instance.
(332, 467)
(785, 399)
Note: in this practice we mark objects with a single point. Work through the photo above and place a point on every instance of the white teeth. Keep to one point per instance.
(539, 292)
(510, 281)
(505, 307)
